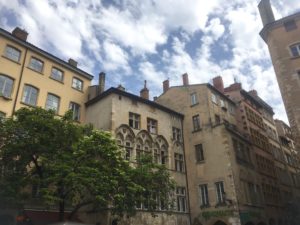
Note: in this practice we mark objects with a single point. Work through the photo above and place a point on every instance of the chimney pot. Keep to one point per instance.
(20, 34)
(166, 85)
(72, 62)
(185, 79)
(144, 93)
(253, 92)
(218, 83)
(120, 87)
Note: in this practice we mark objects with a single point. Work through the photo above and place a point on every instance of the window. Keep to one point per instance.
(295, 49)
(196, 123)
(217, 119)
(181, 199)
(220, 192)
(222, 103)
(75, 108)
(52, 102)
(199, 153)
(6, 85)
(36, 64)
(128, 150)
(176, 133)
(194, 99)
(77, 84)
(204, 195)
(179, 164)
(152, 126)
(57, 74)
(30, 94)
(2, 115)
(214, 98)
(134, 120)
(164, 155)
(12, 53)
(290, 25)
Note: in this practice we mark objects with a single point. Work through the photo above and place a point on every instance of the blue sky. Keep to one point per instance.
(132, 41)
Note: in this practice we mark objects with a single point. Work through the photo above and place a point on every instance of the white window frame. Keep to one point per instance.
(77, 84)
(57, 74)
(295, 50)
(181, 199)
(50, 104)
(12, 53)
(134, 120)
(7, 86)
(194, 99)
(30, 98)
(152, 125)
(76, 111)
(36, 64)
(204, 198)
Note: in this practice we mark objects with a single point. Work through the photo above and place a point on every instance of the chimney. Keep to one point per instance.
(19, 33)
(101, 82)
(166, 85)
(144, 93)
(185, 79)
(218, 83)
(72, 62)
(233, 87)
(155, 98)
(265, 11)
(253, 92)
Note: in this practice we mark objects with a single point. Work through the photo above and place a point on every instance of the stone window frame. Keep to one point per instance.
(204, 196)
(199, 153)
(75, 114)
(14, 49)
(194, 98)
(75, 84)
(58, 103)
(32, 64)
(6, 77)
(52, 75)
(295, 49)
(26, 102)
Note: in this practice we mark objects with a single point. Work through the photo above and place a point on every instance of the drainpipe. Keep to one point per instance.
(19, 84)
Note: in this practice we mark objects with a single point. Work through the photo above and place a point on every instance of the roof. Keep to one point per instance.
(258, 101)
(117, 91)
(277, 23)
(209, 86)
(32, 47)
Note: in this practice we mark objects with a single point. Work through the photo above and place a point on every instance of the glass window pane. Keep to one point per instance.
(56, 74)
(12, 53)
(77, 84)
(52, 102)
(36, 64)
(30, 95)
(6, 85)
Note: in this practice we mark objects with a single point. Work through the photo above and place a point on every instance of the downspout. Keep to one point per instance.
(186, 177)
(19, 84)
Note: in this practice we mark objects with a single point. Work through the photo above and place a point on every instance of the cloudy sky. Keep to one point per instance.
(153, 40)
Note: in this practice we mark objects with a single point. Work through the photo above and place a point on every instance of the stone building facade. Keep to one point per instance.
(142, 126)
(283, 39)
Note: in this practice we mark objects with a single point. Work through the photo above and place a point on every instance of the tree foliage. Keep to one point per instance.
(73, 165)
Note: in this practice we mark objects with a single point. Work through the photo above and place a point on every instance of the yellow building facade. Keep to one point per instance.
(31, 77)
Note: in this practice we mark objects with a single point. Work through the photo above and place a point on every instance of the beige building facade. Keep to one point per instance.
(31, 77)
(283, 39)
(141, 126)
(221, 177)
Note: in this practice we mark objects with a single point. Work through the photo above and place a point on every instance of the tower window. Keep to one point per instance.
(290, 25)
(295, 49)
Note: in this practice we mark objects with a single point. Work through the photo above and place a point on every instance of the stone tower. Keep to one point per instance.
(283, 39)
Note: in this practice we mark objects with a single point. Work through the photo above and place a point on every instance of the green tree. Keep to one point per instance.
(74, 165)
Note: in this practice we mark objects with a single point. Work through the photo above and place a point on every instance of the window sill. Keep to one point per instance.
(205, 206)
(78, 90)
(4, 56)
(24, 103)
(40, 72)
(56, 80)
(295, 57)
(6, 98)
(195, 131)
(200, 162)
(195, 104)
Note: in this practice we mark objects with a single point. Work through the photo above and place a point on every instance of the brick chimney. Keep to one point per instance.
(144, 93)
(233, 87)
(185, 79)
(19, 33)
(253, 92)
(166, 85)
(218, 83)
(101, 82)
(72, 62)
(265, 11)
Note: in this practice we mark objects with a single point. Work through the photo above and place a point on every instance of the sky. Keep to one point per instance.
(154, 40)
